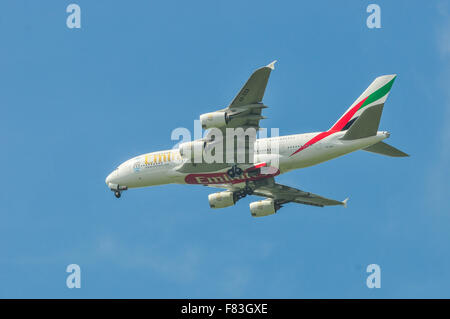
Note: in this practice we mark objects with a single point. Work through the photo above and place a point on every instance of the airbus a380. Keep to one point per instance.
(356, 129)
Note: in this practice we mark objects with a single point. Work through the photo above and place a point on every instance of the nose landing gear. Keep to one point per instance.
(117, 189)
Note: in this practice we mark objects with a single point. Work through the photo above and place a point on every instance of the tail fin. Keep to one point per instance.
(385, 149)
(363, 116)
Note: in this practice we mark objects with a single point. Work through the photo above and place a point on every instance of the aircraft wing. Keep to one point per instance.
(253, 90)
(284, 194)
(245, 109)
(244, 112)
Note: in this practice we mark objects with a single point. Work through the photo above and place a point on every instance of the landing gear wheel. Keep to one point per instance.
(248, 190)
(241, 194)
(117, 194)
(234, 171)
(231, 173)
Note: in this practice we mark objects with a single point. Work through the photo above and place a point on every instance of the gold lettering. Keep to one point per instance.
(199, 179)
(217, 179)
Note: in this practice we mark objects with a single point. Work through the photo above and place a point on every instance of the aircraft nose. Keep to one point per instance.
(108, 179)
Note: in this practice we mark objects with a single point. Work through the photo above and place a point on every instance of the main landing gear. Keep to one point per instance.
(235, 171)
(117, 194)
(247, 190)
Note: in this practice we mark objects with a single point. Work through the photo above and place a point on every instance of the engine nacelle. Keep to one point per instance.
(221, 199)
(214, 119)
(263, 208)
(189, 149)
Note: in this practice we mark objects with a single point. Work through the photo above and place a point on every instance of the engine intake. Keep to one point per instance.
(264, 207)
(221, 199)
(214, 119)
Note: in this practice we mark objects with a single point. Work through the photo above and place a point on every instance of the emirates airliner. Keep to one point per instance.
(263, 158)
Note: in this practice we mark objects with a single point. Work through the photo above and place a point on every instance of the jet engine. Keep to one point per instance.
(214, 119)
(221, 199)
(189, 149)
(264, 207)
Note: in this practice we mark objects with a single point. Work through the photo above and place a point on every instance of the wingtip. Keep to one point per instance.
(344, 202)
(272, 64)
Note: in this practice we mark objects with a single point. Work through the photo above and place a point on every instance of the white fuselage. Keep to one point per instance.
(294, 152)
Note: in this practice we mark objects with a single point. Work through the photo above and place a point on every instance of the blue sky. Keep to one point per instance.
(76, 103)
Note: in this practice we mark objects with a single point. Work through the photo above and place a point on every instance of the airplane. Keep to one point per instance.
(356, 129)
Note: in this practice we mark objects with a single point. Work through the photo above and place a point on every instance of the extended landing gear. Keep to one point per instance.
(247, 190)
(117, 189)
(234, 171)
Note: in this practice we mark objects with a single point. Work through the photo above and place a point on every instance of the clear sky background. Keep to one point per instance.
(76, 103)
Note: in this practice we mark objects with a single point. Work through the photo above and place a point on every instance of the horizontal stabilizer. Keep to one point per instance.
(344, 202)
(385, 149)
